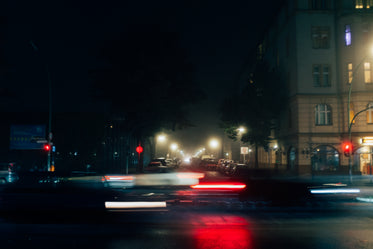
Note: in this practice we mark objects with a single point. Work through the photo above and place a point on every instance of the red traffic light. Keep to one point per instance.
(47, 147)
(139, 149)
(347, 149)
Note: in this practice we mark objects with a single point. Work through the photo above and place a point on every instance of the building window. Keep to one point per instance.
(350, 73)
(363, 4)
(320, 37)
(348, 35)
(359, 4)
(323, 115)
(367, 72)
(321, 76)
(370, 113)
(319, 4)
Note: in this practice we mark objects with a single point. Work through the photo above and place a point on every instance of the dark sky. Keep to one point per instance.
(217, 35)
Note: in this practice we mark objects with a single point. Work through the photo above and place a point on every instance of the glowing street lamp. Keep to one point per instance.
(161, 138)
(241, 130)
(214, 143)
(174, 146)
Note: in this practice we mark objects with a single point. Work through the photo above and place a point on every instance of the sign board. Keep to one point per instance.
(367, 141)
(244, 150)
(27, 137)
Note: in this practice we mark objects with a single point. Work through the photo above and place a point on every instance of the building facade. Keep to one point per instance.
(323, 51)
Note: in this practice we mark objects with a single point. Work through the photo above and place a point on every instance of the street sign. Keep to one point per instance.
(367, 141)
(26, 137)
(42, 141)
(244, 150)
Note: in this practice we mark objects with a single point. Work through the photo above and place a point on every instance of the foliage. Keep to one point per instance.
(257, 107)
(146, 76)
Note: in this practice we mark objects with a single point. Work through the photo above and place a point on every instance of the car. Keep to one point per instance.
(8, 173)
(158, 161)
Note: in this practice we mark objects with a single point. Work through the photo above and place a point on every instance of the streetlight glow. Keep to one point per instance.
(161, 138)
(241, 129)
(214, 143)
(174, 146)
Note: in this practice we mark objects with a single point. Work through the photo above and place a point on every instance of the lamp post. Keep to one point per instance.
(161, 139)
(49, 138)
(173, 148)
(240, 131)
(214, 144)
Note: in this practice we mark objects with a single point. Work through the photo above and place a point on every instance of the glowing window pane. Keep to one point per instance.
(367, 72)
(350, 72)
(359, 4)
(348, 35)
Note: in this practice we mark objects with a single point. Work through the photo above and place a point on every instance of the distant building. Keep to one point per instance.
(322, 48)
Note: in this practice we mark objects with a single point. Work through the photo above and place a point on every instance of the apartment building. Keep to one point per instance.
(323, 51)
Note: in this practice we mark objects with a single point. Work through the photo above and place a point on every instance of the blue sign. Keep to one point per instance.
(27, 137)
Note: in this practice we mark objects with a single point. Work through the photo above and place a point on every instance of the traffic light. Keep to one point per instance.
(347, 149)
(47, 147)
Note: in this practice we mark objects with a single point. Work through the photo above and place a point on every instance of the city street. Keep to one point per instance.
(51, 217)
(184, 228)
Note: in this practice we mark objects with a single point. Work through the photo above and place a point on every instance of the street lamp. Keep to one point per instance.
(241, 130)
(173, 148)
(214, 144)
(50, 163)
(350, 122)
(243, 150)
(161, 139)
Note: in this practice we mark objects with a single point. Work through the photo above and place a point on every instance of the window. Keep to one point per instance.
(367, 72)
(350, 73)
(348, 35)
(370, 113)
(361, 4)
(369, 4)
(321, 76)
(320, 37)
(323, 115)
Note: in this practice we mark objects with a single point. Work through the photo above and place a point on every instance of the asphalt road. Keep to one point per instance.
(269, 214)
(204, 229)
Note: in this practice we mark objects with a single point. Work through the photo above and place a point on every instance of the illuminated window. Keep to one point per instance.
(370, 113)
(323, 114)
(321, 76)
(348, 35)
(359, 4)
(367, 72)
(320, 37)
(369, 4)
(350, 72)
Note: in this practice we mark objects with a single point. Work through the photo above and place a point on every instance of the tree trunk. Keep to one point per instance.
(256, 156)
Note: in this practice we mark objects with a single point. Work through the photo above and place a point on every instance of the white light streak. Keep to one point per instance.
(335, 191)
(144, 204)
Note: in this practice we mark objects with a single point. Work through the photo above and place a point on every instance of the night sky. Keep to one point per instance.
(217, 35)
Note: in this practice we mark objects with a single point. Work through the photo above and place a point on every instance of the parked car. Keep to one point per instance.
(8, 173)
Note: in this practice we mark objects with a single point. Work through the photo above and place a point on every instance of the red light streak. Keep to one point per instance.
(119, 178)
(219, 186)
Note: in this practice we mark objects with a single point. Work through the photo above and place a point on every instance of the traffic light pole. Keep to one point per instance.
(350, 138)
(50, 121)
